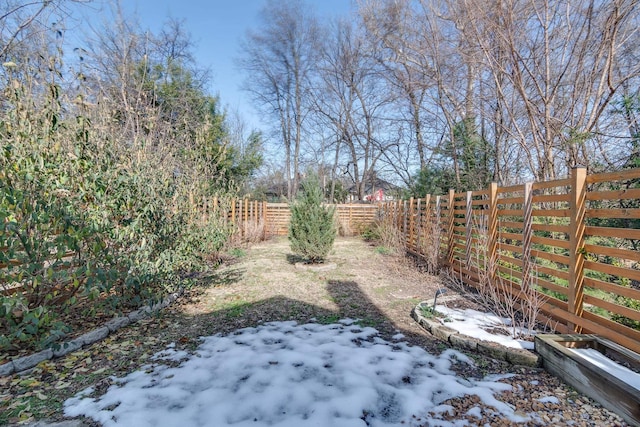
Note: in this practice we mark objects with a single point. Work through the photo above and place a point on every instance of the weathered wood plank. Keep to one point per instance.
(613, 176)
(561, 259)
(614, 252)
(612, 287)
(612, 307)
(564, 244)
(613, 270)
(551, 228)
(613, 213)
(621, 233)
(559, 213)
(552, 184)
(587, 377)
(550, 198)
(628, 193)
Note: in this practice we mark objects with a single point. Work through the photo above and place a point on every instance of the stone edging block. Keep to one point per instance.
(117, 323)
(7, 369)
(27, 362)
(32, 360)
(494, 350)
(94, 336)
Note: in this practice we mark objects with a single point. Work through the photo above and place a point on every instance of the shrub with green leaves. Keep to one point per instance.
(312, 229)
(94, 211)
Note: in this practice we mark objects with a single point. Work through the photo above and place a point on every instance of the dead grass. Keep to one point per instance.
(380, 289)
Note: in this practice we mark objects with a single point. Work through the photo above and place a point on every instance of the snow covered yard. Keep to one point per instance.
(286, 374)
(247, 368)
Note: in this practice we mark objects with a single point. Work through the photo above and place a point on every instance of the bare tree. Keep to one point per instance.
(526, 88)
(352, 98)
(434, 71)
(18, 19)
(279, 60)
(562, 62)
(394, 28)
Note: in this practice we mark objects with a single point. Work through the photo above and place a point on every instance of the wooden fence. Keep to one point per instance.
(273, 218)
(572, 240)
(352, 218)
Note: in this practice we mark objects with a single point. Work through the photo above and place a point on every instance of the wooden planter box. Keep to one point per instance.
(591, 378)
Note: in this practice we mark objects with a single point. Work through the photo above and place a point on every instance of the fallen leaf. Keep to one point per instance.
(29, 383)
(61, 384)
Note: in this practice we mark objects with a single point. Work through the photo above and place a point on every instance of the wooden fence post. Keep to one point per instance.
(254, 213)
(527, 232)
(418, 225)
(438, 215)
(468, 228)
(404, 220)
(576, 243)
(428, 225)
(265, 229)
(492, 232)
(240, 224)
(411, 225)
(385, 213)
(350, 230)
(450, 226)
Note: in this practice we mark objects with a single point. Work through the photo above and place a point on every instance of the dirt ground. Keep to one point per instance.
(356, 281)
(264, 283)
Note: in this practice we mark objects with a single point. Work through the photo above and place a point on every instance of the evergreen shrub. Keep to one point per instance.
(312, 229)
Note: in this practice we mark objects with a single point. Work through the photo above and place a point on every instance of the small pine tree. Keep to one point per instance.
(312, 230)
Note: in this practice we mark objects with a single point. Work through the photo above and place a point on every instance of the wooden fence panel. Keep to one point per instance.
(352, 218)
(576, 240)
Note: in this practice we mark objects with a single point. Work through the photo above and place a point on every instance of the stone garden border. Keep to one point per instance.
(494, 350)
(27, 362)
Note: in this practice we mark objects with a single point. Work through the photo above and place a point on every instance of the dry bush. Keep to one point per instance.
(248, 232)
(390, 237)
(253, 231)
(429, 245)
(343, 227)
(521, 305)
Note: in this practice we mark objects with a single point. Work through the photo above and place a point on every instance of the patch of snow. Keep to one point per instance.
(475, 412)
(171, 354)
(475, 323)
(397, 337)
(549, 399)
(498, 377)
(610, 366)
(284, 374)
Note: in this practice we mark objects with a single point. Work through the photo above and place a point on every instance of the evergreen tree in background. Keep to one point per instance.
(312, 229)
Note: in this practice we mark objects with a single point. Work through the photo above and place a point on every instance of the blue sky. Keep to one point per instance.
(217, 26)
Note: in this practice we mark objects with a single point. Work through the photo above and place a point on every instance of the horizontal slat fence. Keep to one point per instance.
(573, 242)
(352, 218)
